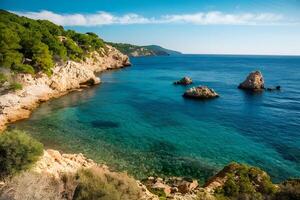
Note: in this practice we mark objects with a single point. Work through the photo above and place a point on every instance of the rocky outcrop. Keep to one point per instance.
(200, 92)
(253, 82)
(51, 178)
(173, 187)
(65, 78)
(184, 81)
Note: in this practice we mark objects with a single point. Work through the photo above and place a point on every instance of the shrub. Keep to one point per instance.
(3, 78)
(15, 86)
(246, 182)
(18, 152)
(97, 183)
(23, 68)
(289, 189)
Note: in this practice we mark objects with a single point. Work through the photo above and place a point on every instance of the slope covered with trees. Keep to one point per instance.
(149, 50)
(30, 46)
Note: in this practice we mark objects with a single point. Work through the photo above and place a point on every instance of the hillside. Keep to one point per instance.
(149, 50)
(31, 46)
(159, 49)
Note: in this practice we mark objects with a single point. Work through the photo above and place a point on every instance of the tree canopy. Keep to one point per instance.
(30, 46)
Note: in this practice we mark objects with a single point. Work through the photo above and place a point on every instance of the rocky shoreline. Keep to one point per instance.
(66, 77)
(47, 180)
(55, 176)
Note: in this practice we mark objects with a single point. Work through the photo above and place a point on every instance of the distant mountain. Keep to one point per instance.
(160, 50)
(149, 50)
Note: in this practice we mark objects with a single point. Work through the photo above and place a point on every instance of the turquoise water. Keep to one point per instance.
(137, 121)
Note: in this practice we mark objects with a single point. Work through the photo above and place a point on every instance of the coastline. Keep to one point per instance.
(66, 77)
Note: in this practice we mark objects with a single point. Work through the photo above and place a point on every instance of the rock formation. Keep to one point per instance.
(65, 78)
(184, 81)
(173, 187)
(253, 82)
(200, 92)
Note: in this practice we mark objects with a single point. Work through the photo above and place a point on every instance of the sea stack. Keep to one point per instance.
(253, 82)
(200, 92)
(184, 81)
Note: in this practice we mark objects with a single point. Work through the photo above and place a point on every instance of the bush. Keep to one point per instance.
(15, 86)
(246, 182)
(289, 189)
(23, 68)
(97, 183)
(18, 152)
(3, 78)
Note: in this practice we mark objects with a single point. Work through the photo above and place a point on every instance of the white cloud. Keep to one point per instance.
(225, 19)
(201, 18)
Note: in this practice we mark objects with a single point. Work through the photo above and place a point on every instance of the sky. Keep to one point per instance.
(268, 27)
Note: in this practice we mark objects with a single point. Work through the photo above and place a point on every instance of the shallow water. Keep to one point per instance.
(137, 121)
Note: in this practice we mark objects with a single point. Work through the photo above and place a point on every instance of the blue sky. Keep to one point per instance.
(218, 27)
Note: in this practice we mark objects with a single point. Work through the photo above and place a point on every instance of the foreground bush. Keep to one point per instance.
(15, 86)
(18, 151)
(289, 190)
(246, 182)
(97, 183)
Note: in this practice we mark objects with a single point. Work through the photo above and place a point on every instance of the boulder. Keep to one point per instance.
(200, 92)
(184, 81)
(160, 186)
(187, 187)
(253, 82)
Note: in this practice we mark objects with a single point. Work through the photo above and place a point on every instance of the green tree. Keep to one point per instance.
(42, 58)
(74, 51)
(9, 43)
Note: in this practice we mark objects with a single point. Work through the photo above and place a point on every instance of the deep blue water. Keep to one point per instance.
(137, 120)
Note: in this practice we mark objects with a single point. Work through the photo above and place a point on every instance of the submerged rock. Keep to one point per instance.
(184, 81)
(277, 88)
(200, 92)
(254, 82)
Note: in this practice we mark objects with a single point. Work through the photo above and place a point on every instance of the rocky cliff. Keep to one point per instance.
(65, 78)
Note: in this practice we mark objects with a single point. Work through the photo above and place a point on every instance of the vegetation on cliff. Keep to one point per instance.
(18, 152)
(96, 183)
(30, 46)
(245, 182)
(150, 50)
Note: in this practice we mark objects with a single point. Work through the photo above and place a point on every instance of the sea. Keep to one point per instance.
(137, 121)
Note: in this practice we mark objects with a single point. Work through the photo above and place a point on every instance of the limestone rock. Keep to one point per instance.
(184, 81)
(200, 92)
(253, 82)
(187, 187)
(174, 187)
